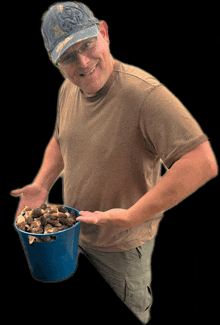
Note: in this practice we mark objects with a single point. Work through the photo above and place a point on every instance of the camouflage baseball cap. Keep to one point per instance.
(65, 24)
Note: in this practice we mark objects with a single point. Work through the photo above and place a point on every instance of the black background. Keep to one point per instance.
(177, 42)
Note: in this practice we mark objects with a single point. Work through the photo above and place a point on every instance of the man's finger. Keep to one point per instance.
(87, 220)
(86, 213)
(17, 192)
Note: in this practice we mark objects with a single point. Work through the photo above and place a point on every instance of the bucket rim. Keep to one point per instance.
(49, 234)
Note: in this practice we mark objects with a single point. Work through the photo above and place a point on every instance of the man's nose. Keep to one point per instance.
(82, 60)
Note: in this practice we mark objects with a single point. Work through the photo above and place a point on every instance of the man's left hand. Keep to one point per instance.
(110, 218)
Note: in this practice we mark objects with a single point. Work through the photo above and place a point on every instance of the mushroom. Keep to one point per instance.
(61, 208)
(45, 219)
(36, 213)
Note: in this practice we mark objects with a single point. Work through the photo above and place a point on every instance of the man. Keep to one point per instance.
(115, 125)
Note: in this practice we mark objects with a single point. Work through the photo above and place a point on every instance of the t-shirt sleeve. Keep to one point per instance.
(169, 130)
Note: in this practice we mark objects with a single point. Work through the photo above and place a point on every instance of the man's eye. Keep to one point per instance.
(69, 57)
(86, 45)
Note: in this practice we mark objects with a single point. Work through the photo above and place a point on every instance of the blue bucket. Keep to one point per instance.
(55, 260)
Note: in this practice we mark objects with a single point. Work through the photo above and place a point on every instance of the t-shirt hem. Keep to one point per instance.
(117, 249)
(127, 245)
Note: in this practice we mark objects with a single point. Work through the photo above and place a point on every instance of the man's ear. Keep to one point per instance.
(104, 30)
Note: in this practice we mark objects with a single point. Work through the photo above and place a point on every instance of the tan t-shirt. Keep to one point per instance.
(112, 145)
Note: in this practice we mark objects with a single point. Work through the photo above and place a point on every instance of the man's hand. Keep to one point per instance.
(110, 218)
(32, 195)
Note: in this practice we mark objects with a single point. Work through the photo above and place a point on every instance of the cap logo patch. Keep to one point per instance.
(58, 31)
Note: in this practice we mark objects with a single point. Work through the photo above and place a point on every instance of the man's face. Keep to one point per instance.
(100, 61)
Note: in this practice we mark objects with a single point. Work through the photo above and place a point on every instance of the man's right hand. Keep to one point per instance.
(32, 195)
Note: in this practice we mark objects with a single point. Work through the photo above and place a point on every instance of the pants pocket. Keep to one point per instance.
(138, 295)
(139, 251)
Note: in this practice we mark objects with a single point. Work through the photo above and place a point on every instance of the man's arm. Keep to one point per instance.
(51, 167)
(185, 176)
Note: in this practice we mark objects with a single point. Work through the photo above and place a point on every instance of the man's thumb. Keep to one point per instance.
(17, 192)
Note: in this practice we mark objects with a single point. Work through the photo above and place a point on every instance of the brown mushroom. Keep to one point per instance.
(61, 208)
(36, 213)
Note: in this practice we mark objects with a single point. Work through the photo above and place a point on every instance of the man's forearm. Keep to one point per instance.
(52, 165)
(186, 175)
(184, 178)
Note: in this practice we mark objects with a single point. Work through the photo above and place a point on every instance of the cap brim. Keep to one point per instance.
(73, 39)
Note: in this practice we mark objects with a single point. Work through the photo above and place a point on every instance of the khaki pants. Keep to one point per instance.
(129, 275)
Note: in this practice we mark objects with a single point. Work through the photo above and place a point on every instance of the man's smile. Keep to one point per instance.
(84, 74)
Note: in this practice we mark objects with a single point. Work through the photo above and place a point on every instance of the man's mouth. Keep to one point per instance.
(87, 73)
